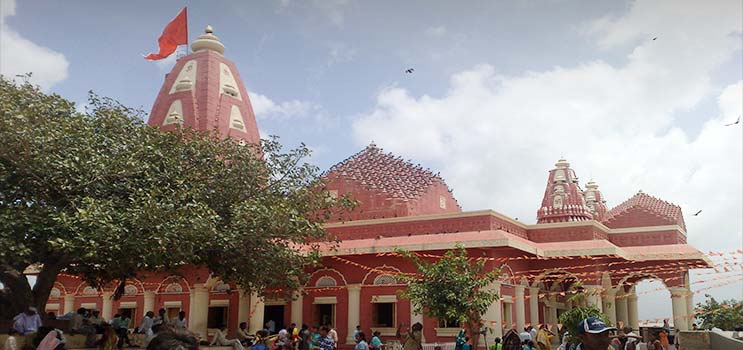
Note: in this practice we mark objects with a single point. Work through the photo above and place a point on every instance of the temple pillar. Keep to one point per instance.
(296, 312)
(494, 314)
(107, 306)
(243, 307)
(198, 310)
(553, 310)
(149, 302)
(69, 303)
(354, 306)
(534, 306)
(593, 296)
(520, 307)
(621, 304)
(632, 311)
(257, 313)
(678, 303)
(690, 310)
(609, 306)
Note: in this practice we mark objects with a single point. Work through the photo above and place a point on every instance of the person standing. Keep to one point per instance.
(413, 338)
(333, 334)
(11, 343)
(27, 322)
(161, 318)
(326, 341)
(376, 343)
(543, 339)
(360, 338)
(146, 327)
(180, 321)
(593, 334)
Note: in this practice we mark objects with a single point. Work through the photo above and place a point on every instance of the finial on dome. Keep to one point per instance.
(208, 42)
(562, 163)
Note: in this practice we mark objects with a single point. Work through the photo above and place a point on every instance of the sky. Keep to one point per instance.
(635, 94)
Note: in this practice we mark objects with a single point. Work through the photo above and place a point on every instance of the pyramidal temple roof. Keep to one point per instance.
(387, 173)
(204, 91)
(666, 210)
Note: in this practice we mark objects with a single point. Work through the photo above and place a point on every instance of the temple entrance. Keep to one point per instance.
(274, 313)
(324, 314)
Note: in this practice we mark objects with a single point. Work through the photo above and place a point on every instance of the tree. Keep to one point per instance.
(104, 196)
(725, 315)
(456, 287)
(572, 317)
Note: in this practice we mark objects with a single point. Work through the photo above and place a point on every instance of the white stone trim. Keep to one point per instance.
(326, 269)
(274, 302)
(325, 300)
(168, 304)
(507, 299)
(384, 299)
(219, 303)
(93, 306)
(383, 267)
(128, 305)
(427, 217)
(52, 307)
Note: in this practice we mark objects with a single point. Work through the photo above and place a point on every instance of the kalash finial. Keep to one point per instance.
(207, 41)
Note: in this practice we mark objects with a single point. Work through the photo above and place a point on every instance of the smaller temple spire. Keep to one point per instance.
(563, 199)
(595, 201)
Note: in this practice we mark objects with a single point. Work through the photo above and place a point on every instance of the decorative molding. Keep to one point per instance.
(447, 332)
(325, 300)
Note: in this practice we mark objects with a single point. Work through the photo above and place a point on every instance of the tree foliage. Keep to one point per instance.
(456, 287)
(572, 317)
(104, 196)
(725, 315)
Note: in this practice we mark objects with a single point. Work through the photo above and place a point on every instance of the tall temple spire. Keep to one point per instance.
(563, 199)
(595, 201)
(204, 91)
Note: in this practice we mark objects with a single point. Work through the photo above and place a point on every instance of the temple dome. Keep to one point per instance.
(388, 186)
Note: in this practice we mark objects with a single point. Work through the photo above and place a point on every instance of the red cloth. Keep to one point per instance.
(174, 34)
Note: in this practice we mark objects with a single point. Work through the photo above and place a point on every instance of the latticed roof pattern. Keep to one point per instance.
(649, 203)
(386, 173)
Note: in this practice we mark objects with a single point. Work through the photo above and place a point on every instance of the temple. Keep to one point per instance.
(576, 244)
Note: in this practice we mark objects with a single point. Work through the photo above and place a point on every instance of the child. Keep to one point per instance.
(376, 343)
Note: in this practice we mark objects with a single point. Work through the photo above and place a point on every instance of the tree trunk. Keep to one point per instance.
(473, 329)
(19, 294)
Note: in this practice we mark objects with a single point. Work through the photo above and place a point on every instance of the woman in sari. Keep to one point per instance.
(109, 339)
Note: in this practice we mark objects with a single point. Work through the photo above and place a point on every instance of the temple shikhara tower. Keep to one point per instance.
(576, 238)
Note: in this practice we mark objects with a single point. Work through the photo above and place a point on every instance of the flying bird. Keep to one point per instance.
(697, 213)
(656, 38)
(736, 122)
(410, 70)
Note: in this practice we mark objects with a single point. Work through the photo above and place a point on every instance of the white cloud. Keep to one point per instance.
(436, 31)
(19, 55)
(340, 53)
(333, 10)
(494, 137)
(264, 107)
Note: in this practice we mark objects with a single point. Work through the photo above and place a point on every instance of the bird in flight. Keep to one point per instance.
(410, 70)
(697, 213)
(736, 122)
(656, 38)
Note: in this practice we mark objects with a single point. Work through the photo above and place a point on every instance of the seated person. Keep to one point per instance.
(220, 338)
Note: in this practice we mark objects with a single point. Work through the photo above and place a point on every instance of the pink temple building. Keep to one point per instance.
(577, 238)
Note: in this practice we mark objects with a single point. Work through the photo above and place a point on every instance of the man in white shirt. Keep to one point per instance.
(146, 327)
(180, 321)
(27, 322)
(333, 335)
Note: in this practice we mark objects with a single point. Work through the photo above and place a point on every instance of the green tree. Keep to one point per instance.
(725, 315)
(572, 317)
(453, 288)
(104, 196)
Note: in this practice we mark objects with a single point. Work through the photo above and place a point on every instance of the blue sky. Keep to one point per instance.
(500, 91)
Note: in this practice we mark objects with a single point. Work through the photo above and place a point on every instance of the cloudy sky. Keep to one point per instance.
(500, 91)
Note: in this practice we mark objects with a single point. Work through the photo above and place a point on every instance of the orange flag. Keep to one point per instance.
(174, 34)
